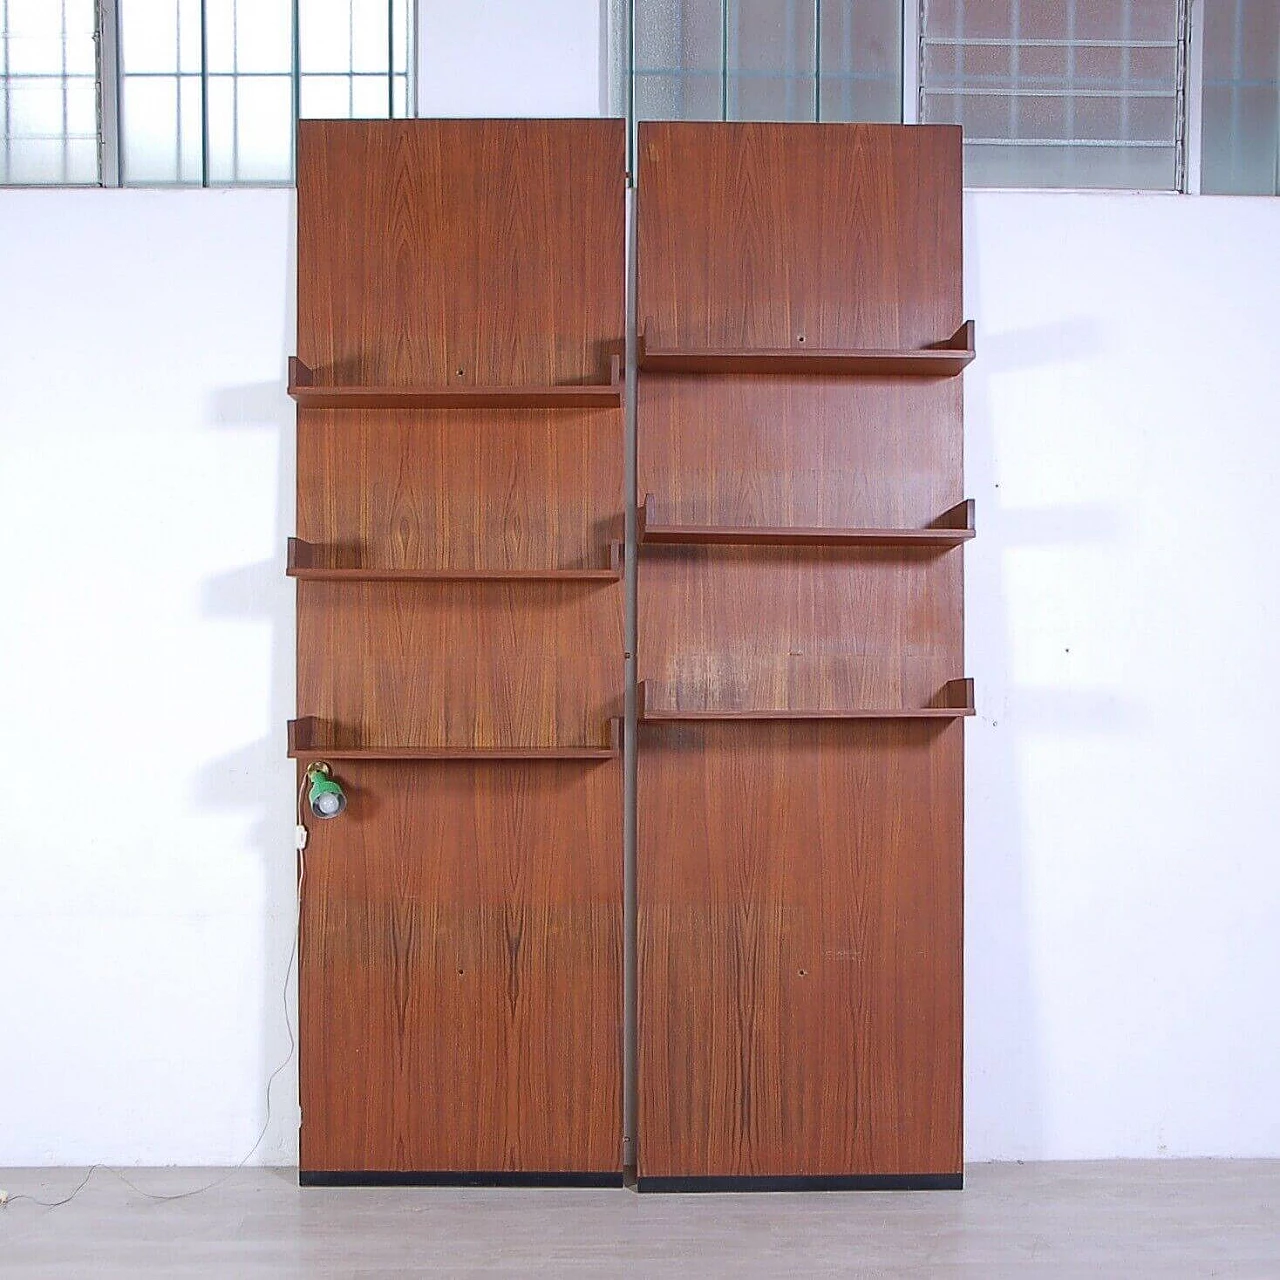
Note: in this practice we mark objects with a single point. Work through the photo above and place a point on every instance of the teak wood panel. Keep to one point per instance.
(461, 1007)
(461, 664)
(799, 947)
(460, 252)
(733, 627)
(799, 882)
(768, 450)
(532, 489)
(460, 972)
(804, 236)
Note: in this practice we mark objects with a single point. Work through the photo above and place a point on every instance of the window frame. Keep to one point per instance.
(109, 75)
(1189, 107)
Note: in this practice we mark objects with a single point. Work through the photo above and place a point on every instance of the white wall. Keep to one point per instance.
(145, 675)
(512, 58)
(1123, 864)
(1123, 877)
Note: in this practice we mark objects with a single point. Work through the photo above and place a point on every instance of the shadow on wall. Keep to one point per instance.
(259, 776)
(1003, 1054)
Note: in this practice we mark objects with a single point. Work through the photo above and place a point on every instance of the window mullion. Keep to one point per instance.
(1192, 108)
(109, 92)
(912, 25)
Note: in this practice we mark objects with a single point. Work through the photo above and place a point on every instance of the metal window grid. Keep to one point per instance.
(1098, 81)
(108, 82)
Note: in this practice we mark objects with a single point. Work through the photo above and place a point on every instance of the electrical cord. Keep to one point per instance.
(301, 842)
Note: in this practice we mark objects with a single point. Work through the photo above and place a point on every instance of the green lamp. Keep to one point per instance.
(326, 797)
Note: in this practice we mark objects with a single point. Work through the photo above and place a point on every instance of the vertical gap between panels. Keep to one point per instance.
(630, 1061)
(817, 61)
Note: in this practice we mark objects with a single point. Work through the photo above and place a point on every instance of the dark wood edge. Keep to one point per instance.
(303, 559)
(451, 1178)
(311, 738)
(300, 555)
(303, 733)
(956, 695)
(644, 517)
(805, 1182)
(961, 340)
(304, 387)
(957, 521)
(954, 699)
(959, 344)
(961, 516)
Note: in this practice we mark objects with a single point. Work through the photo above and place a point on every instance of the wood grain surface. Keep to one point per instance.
(800, 854)
(461, 1001)
(799, 943)
(460, 252)
(800, 236)
(502, 489)
(460, 644)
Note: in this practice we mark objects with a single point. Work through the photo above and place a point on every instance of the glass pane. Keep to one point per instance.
(860, 52)
(250, 90)
(149, 128)
(48, 92)
(324, 36)
(325, 97)
(1240, 152)
(160, 110)
(694, 96)
(1069, 93)
(768, 59)
(369, 37)
(675, 36)
(369, 97)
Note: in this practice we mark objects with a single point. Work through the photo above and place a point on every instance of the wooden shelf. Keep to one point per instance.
(307, 561)
(938, 360)
(948, 530)
(311, 394)
(953, 700)
(308, 734)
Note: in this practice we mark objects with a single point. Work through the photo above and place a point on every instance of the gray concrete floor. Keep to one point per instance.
(1126, 1219)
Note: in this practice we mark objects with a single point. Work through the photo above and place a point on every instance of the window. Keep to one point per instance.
(48, 92)
(1240, 150)
(1051, 93)
(766, 60)
(200, 92)
(1060, 93)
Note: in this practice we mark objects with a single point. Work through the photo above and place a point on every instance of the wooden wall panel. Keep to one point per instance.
(448, 490)
(817, 628)
(808, 236)
(460, 977)
(799, 947)
(462, 998)
(461, 664)
(799, 883)
(460, 252)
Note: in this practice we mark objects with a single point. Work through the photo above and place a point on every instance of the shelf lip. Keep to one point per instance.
(952, 702)
(305, 561)
(313, 395)
(307, 734)
(950, 529)
(943, 359)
